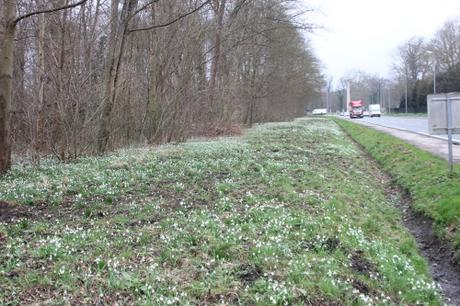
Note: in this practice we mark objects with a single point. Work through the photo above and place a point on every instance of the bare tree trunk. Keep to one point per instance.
(252, 100)
(38, 136)
(104, 132)
(219, 10)
(113, 69)
(6, 82)
(152, 110)
(61, 127)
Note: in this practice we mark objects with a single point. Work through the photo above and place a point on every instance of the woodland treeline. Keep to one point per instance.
(414, 67)
(420, 57)
(91, 76)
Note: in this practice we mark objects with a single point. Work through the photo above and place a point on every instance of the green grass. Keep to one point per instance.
(276, 217)
(424, 176)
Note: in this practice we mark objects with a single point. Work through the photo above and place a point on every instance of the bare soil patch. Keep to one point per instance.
(249, 273)
(9, 212)
(360, 264)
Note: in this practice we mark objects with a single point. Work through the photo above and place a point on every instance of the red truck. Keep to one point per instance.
(356, 109)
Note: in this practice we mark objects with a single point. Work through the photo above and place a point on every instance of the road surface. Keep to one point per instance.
(410, 130)
(412, 124)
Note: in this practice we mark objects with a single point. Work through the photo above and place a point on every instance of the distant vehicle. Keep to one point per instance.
(374, 110)
(356, 109)
(346, 114)
(319, 111)
(366, 113)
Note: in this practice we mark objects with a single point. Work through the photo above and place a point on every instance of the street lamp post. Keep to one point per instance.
(389, 100)
(434, 75)
(405, 97)
(405, 94)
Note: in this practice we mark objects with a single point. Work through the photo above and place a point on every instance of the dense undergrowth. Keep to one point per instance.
(423, 175)
(291, 213)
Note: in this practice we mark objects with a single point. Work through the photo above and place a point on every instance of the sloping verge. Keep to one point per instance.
(431, 202)
(434, 193)
(289, 214)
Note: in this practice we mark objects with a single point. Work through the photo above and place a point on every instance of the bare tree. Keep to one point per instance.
(6, 71)
(122, 72)
(413, 68)
(218, 7)
(446, 45)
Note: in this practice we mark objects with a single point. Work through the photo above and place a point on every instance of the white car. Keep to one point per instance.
(319, 111)
(374, 110)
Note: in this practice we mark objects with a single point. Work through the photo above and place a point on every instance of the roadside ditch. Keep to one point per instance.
(438, 253)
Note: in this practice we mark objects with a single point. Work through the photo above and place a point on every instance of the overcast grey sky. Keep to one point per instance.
(365, 34)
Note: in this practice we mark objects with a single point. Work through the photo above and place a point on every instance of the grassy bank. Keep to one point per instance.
(423, 175)
(276, 217)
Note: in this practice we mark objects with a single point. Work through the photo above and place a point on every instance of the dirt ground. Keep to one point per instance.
(9, 212)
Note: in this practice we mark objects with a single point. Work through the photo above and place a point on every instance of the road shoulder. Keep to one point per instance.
(428, 143)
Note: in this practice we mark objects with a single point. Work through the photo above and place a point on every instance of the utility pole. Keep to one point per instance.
(434, 75)
(329, 82)
(405, 98)
(389, 100)
(348, 95)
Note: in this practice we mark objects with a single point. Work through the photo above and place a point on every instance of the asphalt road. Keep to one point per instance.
(404, 129)
(413, 124)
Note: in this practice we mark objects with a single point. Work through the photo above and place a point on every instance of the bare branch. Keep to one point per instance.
(69, 6)
(143, 8)
(172, 21)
